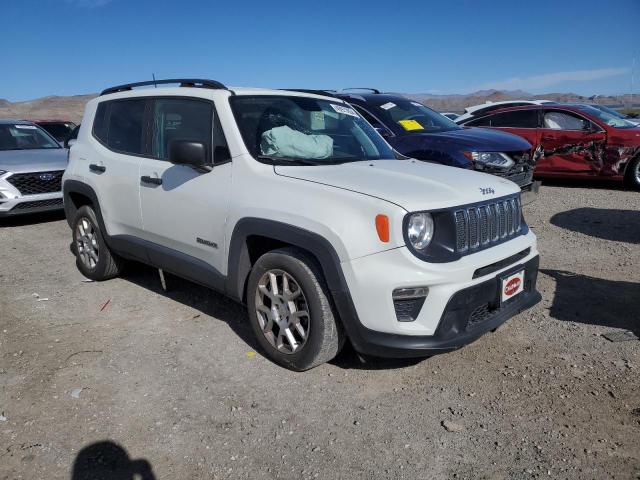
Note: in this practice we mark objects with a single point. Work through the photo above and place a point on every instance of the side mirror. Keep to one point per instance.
(185, 152)
(71, 138)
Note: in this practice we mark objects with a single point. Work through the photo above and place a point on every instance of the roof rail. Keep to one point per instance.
(183, 82)
(374, 90)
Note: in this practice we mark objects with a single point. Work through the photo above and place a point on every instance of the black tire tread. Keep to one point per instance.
(110, 265)
(332, 335)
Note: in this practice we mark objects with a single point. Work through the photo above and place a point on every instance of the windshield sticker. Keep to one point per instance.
(410, 125)
(344, 110)
(26, 127)
(388, 105)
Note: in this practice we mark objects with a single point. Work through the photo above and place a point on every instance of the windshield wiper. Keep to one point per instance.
(287, 160)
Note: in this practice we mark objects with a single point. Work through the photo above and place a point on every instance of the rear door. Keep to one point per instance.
(571, 144)
(183, 209)
(113, 166)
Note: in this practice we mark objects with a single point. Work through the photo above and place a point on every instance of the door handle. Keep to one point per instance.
(97, 168)
(151, 180)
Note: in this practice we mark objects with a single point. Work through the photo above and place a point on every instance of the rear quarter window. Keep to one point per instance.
(119, 125)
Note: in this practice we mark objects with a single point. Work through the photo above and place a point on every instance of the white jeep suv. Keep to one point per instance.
(293, 204)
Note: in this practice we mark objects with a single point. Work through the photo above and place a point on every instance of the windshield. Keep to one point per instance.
(407, 116)
(24, 137)
(306, 130)
(606, 117)
(613, 112)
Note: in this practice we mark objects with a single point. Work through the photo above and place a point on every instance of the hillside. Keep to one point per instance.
(67, 108)
(71, 108)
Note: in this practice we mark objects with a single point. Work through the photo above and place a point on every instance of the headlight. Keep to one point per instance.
(491, 159)
(420, 230)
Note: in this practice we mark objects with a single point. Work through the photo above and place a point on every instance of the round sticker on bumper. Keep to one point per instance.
(512, 286)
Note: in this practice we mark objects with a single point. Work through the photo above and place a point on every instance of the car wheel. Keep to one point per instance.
(632, 176)
(290, 311)
(94, 258)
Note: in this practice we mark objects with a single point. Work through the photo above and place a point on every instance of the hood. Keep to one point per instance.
(20, 161)
(473, 139)
(410, 184)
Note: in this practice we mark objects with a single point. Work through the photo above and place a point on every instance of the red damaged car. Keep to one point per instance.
(573, 141)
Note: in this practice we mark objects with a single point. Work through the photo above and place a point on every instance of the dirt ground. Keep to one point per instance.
(117, 379)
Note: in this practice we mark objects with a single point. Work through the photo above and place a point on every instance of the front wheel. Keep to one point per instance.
(290, 311)
(632, 176)
(94, 258)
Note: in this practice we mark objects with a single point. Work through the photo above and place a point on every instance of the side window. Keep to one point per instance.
(556, 120)
(125, 126)
(100, 123)
(480, 122)
(180, 119)
(515, 119)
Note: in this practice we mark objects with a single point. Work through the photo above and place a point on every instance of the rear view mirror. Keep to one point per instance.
(185, 152)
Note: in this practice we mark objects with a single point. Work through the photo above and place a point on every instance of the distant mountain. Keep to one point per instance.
(458, 102)
(67, 108)
(72, 108)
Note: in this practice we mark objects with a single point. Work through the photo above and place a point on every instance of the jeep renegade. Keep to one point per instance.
(293, 204)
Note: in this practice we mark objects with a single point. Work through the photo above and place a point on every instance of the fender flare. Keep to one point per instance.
(239, 265)
(75, 186)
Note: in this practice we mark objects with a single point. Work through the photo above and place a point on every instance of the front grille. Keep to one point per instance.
(484, 225)
(34, 183)
(54, 202)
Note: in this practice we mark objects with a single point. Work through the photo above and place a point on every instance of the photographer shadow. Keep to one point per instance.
(109, 461)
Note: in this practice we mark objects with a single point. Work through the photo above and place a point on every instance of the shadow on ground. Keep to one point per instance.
(594, 183)
(235, 315)
(31, 219)
(109, 461)
(594, 301)
(608, 224)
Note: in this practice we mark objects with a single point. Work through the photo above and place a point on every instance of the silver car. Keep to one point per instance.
(31, 166)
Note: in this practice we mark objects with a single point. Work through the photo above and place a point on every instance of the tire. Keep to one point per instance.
(102, 263)
(632, 175)
(324, 335)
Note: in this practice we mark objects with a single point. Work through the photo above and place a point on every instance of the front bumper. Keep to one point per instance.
(45, 202)
(458, 291)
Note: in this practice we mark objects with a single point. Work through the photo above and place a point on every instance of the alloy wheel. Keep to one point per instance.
(282, 311)
(87, 243)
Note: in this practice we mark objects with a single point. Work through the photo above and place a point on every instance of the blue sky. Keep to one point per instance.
(65, 47)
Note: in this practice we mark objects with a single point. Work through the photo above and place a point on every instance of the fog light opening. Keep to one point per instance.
(408, 302)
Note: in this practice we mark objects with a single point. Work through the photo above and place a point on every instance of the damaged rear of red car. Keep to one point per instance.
(573, 141)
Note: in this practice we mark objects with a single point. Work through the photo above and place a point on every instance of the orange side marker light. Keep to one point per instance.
(382, 227)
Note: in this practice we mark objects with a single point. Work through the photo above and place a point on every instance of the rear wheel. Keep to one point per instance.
(632, 176)
(290, 311)
(94, 258)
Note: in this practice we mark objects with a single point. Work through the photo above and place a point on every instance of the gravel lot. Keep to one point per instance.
(119, 376)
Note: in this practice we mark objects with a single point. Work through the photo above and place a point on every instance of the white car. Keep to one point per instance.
(294, 205)
(450, 115)
(484, 108)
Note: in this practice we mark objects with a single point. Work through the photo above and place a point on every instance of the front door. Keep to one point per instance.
(571, 145)
(184, 210)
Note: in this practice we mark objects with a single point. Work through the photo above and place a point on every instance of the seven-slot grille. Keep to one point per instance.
(480, 226)
(37, 182)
